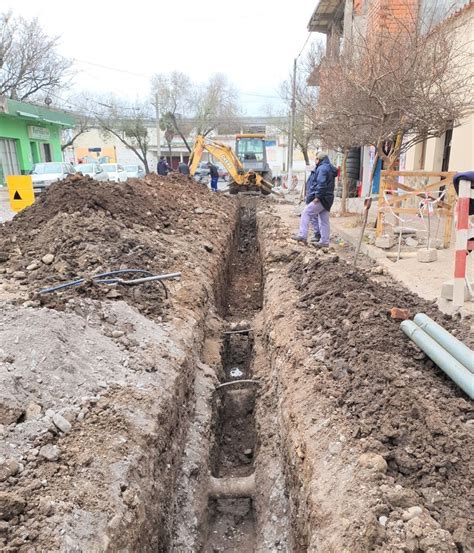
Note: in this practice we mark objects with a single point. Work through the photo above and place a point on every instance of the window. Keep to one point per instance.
(8, 159)
(250, 149)
(46, 152)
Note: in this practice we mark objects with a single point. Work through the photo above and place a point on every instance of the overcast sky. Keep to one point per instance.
(252, 41)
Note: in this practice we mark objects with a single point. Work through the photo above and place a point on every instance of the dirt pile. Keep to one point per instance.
(388, 395)
(97, 385)
(79, 228)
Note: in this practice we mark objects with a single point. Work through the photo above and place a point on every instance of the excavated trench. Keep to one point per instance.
(219, 506)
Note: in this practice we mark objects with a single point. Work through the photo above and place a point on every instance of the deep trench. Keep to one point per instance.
(232, 521)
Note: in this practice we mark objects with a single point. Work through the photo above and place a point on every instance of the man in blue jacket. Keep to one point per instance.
(319, 199)
(163, 168)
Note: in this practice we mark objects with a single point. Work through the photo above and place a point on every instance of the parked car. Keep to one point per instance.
(94, 170)
(134, 171)
(115, 171)
(43, 174)
(202, 172)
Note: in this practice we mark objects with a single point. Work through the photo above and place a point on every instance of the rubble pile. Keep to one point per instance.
(394, 402)
(79, 228)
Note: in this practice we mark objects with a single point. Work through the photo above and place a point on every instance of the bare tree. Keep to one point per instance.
(174, 92)
(128, 123)
(81, 106)
(214, 103)
(305, 131)
(30, 65)
(404, 84)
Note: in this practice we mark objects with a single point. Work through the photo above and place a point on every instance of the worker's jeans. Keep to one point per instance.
(214, 183)
(315, 214)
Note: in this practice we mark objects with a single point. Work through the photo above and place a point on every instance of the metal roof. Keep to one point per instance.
(326, 13)
(38, 113)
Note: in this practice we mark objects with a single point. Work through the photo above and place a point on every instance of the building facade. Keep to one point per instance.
(29, 134)
(340, 20)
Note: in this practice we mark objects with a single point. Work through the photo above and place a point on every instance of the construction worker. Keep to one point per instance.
(319, 199)
(214, 174)
(163, 168)
(183, 168)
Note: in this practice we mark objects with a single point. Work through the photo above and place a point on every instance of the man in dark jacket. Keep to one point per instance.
(163, 168)
(183, 168)
(319, 199)
(214, 174)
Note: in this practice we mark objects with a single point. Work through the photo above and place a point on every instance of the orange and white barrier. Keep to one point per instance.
(463, 244)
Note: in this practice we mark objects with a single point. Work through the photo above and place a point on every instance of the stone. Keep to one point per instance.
(426, 255)
(335, 448)
(199, 210)
(411, 512)
(8, 467)
(48, 259)
(19, 275)
(248, 452)
(378, 270)
(33, 410)
(383, 520)
(447, 291)
(411, 242)
(208, 247)
(50, 452)
(399, 314)
(61, 423)
(46, 506)
(11, 505)
(33, 266)
(385, 242)
(10, 410)
(4, 526)
(374, 462)
(117, 333)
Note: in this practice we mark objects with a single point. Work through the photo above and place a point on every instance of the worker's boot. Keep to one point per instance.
(316, 238)
(298, 238)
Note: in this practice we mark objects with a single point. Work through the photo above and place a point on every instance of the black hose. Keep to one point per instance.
(101, 278)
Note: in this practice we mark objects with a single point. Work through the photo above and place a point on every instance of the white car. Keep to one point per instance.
(115, 172)
(93, 170)
(43, 174)
(135, 171)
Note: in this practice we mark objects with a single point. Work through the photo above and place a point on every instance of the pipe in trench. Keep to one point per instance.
(243, 486)
(451, 344)
(445, 361)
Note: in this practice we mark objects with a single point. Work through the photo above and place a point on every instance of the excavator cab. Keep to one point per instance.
(251, 151)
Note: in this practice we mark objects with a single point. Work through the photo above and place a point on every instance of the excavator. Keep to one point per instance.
(248, 170)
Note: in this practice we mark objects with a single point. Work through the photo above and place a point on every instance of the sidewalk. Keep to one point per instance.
(425, 279)
(5, 212)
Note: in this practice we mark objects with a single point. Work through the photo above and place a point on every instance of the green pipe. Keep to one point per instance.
(445, 361)
(451, 344)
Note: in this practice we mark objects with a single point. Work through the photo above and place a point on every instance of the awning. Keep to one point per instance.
(29, 115)
(326, 13)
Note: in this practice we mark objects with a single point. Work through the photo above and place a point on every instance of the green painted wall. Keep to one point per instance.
(17, 129)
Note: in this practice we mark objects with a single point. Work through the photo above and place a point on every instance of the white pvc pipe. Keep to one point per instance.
(451, 344)
(445, 361)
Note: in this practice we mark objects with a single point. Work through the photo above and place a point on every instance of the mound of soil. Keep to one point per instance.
(156, 224)
(391, 397)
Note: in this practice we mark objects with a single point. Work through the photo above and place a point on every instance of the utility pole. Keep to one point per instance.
(292, 127)
(158, 130)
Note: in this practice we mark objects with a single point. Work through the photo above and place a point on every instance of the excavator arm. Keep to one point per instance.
(220, 152)
(229, 160)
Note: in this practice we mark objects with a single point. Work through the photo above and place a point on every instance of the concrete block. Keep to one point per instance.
(404, 230)
(427, 256)
(386, 241)
(411, 242)
(447, 291)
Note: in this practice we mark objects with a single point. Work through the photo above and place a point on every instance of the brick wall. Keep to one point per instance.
(391, 15)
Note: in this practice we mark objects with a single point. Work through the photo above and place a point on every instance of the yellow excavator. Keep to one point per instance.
(242, 180)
